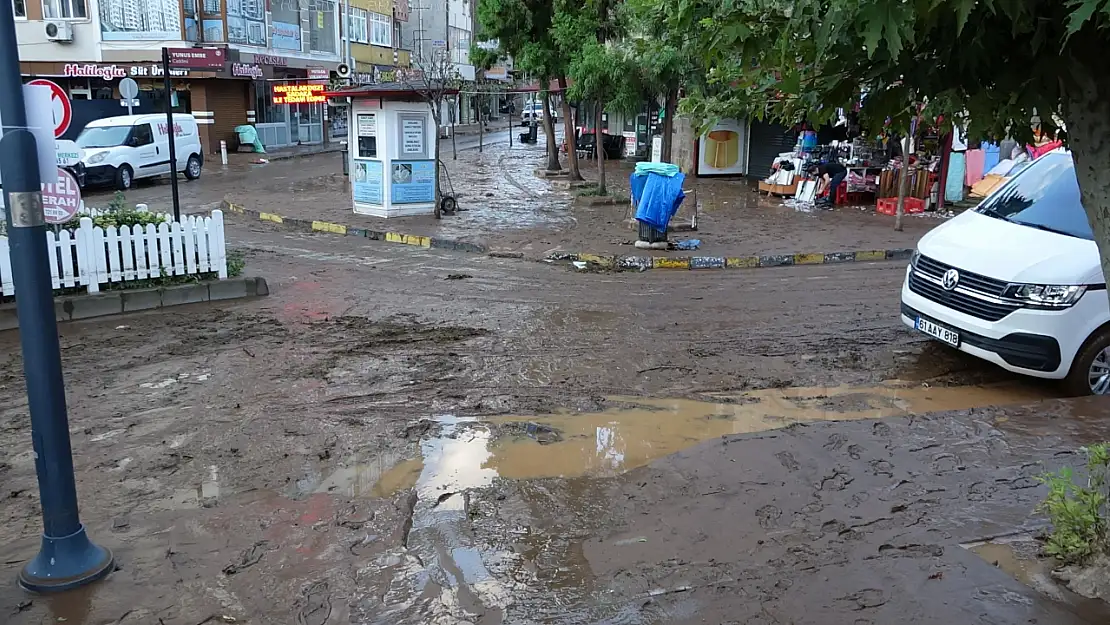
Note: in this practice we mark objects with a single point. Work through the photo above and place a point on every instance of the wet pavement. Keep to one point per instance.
(375, 443)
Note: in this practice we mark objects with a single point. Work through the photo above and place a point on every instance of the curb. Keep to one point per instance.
(75, 307)
(616, 262)
(309, 225)
(289, 157)
(644, 263)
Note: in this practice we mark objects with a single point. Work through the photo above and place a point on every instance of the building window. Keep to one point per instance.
(322, 26)
(63, 9)
(357, 32)
(458, 40)
(19, 8)
(381, 30)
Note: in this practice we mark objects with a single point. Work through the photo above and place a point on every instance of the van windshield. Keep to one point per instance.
(103, 136)
(1044, 196)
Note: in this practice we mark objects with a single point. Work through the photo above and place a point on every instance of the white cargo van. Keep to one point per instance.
(120, 150)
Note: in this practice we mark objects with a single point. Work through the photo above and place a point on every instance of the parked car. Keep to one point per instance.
(1017, 281)
(120, 150)
(533, 111)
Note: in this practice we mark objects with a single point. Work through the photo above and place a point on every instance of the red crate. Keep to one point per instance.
(889, 205)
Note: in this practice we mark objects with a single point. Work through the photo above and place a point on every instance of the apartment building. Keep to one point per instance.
(436, 27)
(88, 46)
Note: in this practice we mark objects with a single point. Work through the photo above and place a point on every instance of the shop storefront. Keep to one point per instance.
(283, 121)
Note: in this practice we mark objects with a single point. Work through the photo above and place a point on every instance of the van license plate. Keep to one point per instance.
(938, 332)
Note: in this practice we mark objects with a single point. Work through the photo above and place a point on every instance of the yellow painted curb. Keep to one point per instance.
(270, 217)
(604, 261)
(809, 259)
(670, 263)
(870, 255)
(744, 261)
(235, 208)
(324, 226)
(408, 239)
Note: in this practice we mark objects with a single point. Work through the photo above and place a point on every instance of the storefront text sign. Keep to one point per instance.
(111, 72)
(269, 59)
(299, 94)
(197, 58)
(245, 70)
(318, 73)
(62, 199)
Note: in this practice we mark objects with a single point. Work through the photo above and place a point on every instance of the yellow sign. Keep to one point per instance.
(319, 19)
(299, 94)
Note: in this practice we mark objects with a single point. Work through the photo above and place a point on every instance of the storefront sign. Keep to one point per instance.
(413, 182)
(246, 70)
(68, 154)
(197, 58)
(299, 94)
(366, 182)
(364, 78)
(111, 72)
(62, 199)
(285, 37)
(318, 73)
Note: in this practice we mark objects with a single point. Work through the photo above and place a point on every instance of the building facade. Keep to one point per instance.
(88, 46)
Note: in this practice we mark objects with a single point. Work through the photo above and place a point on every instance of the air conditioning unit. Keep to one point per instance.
(59, 31)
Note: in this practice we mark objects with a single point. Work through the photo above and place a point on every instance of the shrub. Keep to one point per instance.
(1079, 514)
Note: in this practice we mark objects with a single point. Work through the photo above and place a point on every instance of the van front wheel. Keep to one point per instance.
(1090, 372)
(192, 168)
(124, 177)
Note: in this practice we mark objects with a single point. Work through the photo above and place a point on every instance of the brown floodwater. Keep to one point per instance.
(635, 431)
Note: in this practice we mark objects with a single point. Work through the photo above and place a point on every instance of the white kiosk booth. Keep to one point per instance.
(391, 151)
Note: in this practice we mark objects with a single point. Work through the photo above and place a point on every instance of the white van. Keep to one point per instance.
(1017, 281)
(120, 150)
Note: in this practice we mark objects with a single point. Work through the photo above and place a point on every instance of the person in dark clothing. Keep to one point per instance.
(829, 176)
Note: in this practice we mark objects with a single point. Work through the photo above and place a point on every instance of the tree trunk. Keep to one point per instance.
(903, 184)
(599, 150)
(568, 132)
(1087, 115)
(668, 124)
(481, 126)
(454, 150)
(439, 193)
(549, 130)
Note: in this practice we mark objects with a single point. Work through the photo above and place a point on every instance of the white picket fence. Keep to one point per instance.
(92, 256)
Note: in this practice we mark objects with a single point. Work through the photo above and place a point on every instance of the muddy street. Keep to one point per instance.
(407, 435)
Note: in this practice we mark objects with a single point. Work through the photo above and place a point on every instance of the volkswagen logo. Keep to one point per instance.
(950, 279)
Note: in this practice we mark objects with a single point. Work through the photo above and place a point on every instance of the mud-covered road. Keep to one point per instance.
(399, 435)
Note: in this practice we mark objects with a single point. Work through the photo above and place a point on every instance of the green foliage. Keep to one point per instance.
(997, 64)
(235, 263)
(118, 202)
(1079, 515)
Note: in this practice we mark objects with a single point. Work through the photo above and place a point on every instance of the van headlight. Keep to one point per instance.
(1045, 295)
(98, 158)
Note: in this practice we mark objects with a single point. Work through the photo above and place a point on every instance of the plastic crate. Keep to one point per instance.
(650, 235)
(889, 206)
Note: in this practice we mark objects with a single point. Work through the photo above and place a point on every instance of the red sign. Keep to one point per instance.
(62, 199)
(197, 58)
(63, 110)
(318, 73)
(299, 94)
(401, 10)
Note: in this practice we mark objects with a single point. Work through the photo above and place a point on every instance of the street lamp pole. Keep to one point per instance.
(66, 558)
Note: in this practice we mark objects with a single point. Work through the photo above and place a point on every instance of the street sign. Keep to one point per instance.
(129, 104)
(67, 152)
(63, 109)
(197, 58)
(62, 199)
(128, 88)
(439, 44)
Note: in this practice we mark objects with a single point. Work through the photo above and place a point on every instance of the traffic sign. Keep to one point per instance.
(67, 152)
(128, 88)
(63, 109)
(62, 199)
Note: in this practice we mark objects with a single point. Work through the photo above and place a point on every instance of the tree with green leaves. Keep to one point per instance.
(1001, 67)
(523, 30)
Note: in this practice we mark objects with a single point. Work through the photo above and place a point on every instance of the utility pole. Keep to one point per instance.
(66, 558)
(171, 132)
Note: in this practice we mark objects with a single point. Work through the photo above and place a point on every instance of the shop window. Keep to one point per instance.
(64, 9)
(285, 18)
(321, 26)
(19, 8)
(357, 30)
(381, 30)
(266, 111)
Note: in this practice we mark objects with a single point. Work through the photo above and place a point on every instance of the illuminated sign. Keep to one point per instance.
(299, 94)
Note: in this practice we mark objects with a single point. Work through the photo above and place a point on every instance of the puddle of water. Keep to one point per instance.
(638, 430)
(1020, 557)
